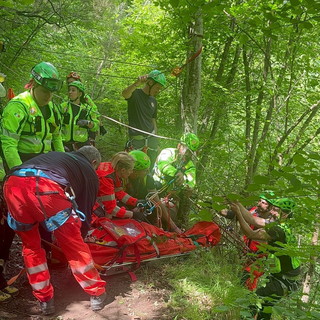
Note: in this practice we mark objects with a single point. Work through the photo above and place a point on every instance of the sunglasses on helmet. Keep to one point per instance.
(73, 75)
(49, 83)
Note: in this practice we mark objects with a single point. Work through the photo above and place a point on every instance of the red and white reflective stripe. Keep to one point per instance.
(108, 197)
(83, 269)
(40, 285)
(89, 282)
(39, 268)
(115, 210)
(118, 189)
(125, 199)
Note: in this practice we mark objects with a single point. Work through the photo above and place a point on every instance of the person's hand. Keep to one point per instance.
(138, 214)
(179, 178)
(84, 123)
(141, 80)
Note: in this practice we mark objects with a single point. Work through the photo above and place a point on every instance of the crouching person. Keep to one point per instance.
(57, 190)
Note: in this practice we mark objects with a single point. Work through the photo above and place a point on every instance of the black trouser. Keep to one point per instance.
(273, 291)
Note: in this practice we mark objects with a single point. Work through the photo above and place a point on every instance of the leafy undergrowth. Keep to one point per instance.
(205, 285)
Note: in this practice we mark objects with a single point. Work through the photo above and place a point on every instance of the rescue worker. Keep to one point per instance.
(140, 184)
(30, 123)
(285, 269)
(74, 76)
(175, 171)
(111, 193)
(79, 119)
(58, 191)
(142, 112)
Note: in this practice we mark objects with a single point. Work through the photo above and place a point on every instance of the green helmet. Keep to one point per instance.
(45, 74)
(191, 141)
(157, 76)
(77, 84)
(284, 204)
(141, 160)
(268, 196)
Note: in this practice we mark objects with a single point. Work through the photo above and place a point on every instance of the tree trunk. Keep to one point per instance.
(191, 91)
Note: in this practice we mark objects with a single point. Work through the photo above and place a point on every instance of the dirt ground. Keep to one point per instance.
(126, 300)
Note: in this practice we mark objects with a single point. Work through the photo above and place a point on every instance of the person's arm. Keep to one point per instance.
(127, 92)
(13, 120)
(190, 175)
(258, 234)
(155, 128)
(107, 197)
(250, 219)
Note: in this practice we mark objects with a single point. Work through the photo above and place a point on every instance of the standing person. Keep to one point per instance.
(142, 112)
(140, 184)
(57, 190)
(285, 269)
(74, 76)
(30, 123)
(79, 120)
(29, 127)
(175, 170)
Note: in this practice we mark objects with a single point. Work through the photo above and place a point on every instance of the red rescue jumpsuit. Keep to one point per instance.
(25, 207)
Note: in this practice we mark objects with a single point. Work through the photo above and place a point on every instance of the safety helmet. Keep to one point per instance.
(45, 74)
(157, 76)
(74, 75)
(141, 160)
(268, 196)
(285, 204)
(78, 85)
(191, 141)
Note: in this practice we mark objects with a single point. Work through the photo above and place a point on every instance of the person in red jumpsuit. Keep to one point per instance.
(57, 190)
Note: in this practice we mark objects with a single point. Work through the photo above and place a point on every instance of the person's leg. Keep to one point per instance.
(34, 257)
(79, 257)
(272, 292)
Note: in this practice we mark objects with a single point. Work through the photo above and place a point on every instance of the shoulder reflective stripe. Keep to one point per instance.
(36, 269)
(125, 198)
(118, 189)
(89, 283)
(107, 197)
(40, 285)
(83, 269)
(115, 210)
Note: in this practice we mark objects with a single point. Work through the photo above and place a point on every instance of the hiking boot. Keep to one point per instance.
(13, 291)
(4, 297)
(47, 307)
(98, 302)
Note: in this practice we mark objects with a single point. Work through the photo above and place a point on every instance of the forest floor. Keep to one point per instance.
(143, 299)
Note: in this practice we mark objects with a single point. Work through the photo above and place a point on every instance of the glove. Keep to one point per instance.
(83, 123)
(179, 178)
(138, 214)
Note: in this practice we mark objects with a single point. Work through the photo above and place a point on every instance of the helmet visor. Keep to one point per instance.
(51, 84)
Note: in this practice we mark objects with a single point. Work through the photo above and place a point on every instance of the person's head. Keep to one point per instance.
(141, 164)
(156, 81)
(76, 91)
(122, 163)
(188, 144)
(265, 201)
(92, 154)
(73, 76)
(282, 208)
(45, 81)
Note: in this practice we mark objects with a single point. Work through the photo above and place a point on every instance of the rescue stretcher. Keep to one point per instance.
(122, 245)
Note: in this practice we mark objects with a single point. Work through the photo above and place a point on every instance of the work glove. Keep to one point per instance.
(138, 214)
(84, 123)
